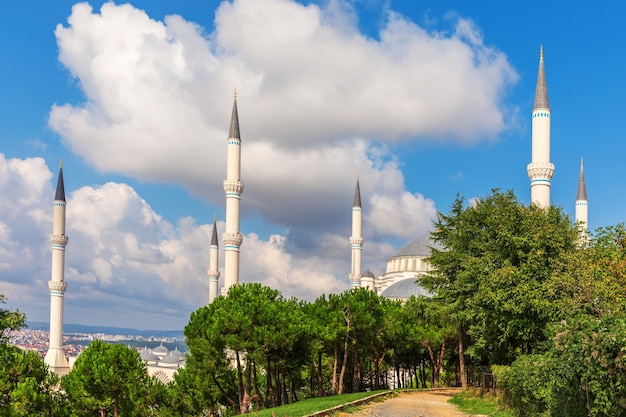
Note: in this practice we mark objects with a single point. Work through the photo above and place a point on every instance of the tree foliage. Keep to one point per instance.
(494, 261)
(26, 386)
(109, 379)
(9, 320)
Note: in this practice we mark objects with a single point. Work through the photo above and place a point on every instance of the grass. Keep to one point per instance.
(312, 405)
(473, 403)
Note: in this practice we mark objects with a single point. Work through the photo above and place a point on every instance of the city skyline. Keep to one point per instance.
(423, 102)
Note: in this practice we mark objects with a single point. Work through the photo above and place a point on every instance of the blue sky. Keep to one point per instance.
(424, 99)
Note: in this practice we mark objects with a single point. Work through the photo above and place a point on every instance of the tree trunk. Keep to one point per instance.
(312, 378)
(269, 393)
(345, 357)
(320, 380)
(239, 381)
(436, 361)
(294, 397)
(376, 375)
(356, 375)
(278, 396)
(224, 394)
(284, 379)
(245, 404)
(462, 357)
(335, 364)
(256, 382)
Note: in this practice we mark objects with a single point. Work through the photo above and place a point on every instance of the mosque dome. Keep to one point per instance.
(160, 350)
(147, 356)
(420, 246)
(404, 289)
(177, 353)
(170, 359)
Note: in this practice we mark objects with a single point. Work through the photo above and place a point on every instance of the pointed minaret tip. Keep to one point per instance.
(214, 235)
(541, 91)
(234, 120)
(60, 191)
(581, 195)
(235, 94)
(357, 193)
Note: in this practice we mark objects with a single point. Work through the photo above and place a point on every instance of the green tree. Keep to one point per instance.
(9, 320)
(583, 368)
(433, 331)
(26, 386)
(591, 280)
(252, 328)
(109, 379)
(493, 265)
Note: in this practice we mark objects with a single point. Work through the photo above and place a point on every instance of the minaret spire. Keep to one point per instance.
(356, 240)
(233, 187)
(541, 91)
(582, 205)
(541, 170)
(213, 273)
(55, 357)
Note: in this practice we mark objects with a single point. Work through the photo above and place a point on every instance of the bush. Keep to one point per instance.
(583, 373)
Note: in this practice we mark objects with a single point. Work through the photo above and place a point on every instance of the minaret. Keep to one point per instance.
(214, 273)
(582, 205)
(55, 358)
(356, 240)
(233, 187)
(540, 170)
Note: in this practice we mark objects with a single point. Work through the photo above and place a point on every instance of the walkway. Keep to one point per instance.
(413, 404)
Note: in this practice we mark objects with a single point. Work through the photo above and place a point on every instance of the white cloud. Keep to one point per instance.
(317, 98)
(318, 101)
(125, 264)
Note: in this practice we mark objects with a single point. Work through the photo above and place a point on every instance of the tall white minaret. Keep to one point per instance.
(541, 170)
(214, 273)
(233, 187)
(582, 205)
(55, 358)
(356, 240)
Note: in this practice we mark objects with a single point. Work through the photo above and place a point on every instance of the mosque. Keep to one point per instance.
(402, 269)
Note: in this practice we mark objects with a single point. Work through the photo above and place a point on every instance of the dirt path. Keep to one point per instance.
(414, 404)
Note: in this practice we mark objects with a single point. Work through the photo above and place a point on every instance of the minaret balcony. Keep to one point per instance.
(540, 170)
(356, 241)
(57, 286)
(232, 239)
(214, 274)
(60, 240)
(233, 187)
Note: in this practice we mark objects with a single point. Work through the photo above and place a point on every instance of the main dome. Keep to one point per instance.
(420, 246)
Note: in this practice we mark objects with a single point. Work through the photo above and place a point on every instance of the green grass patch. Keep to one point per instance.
(473, 403)
(312, 405)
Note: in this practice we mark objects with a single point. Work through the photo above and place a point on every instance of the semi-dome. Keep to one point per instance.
(404, 289)
(368, 274)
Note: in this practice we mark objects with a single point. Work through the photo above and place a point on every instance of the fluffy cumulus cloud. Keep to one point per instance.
(318, 101)
(315, 95)
(125, 264)
(25, 223)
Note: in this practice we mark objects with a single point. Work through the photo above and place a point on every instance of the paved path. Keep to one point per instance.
(413, 404)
